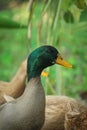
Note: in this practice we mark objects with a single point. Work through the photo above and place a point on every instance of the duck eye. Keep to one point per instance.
(53, 62)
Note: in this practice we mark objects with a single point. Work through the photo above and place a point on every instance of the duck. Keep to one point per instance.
(28, 111)
(16, 86)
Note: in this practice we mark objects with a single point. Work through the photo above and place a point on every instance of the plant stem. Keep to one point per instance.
(57, 14)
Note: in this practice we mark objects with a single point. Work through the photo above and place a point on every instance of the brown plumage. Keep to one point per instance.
(65, 113)
(76, 117)
(16, 86)
(56, 108)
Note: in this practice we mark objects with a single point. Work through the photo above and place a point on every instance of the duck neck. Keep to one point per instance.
(32, 101)
(31, 105)
(34, 73)
(34, 85)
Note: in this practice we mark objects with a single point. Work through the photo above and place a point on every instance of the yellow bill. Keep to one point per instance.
(62, 62)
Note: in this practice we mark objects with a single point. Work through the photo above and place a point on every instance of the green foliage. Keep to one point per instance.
(58, 23)
(81, 4)
(83, 16)
(12, 51)
(68, 17)
(59, 26)
(8, 23)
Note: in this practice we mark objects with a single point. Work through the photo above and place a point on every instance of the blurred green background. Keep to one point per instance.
(27, 24)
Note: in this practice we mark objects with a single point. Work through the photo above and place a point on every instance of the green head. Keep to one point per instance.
(41, 58)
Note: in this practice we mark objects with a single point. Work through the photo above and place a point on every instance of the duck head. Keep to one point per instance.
(43, 57)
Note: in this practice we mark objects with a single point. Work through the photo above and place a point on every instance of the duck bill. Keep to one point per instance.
(62, 62)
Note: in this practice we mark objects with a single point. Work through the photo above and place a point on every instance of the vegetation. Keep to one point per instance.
(58, 23)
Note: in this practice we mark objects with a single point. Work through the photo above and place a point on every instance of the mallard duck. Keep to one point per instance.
(16, 86)
(28, 111)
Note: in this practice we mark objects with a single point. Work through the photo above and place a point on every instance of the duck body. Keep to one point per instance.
(56, 109)
(20, 114)
(28, 111)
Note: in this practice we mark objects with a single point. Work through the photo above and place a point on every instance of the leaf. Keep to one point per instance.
(66, 5)
(68, 17)
(81, 4)
(8, 23)
(83, 16)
